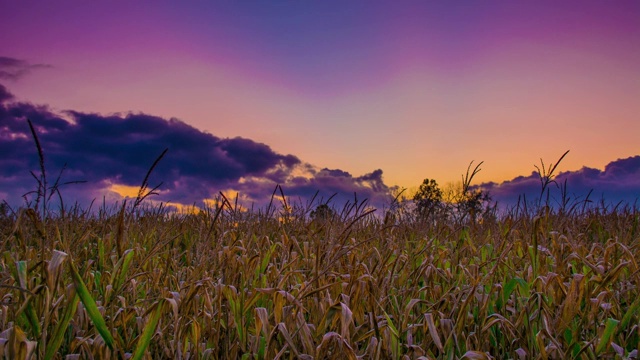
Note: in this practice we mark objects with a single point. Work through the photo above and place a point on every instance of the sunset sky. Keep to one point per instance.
(415, 88)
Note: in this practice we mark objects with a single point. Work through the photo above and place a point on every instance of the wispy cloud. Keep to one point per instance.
(108, 150)
(14, 69)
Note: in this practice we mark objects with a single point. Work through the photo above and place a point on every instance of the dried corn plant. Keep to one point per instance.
(223, 283)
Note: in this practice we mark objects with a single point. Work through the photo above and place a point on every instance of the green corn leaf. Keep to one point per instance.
(122, 268)
(149, 330)
(511, 285)
(101, 256)
(58, 333)
(231, 294)
(609, 328)
(626, 319)
(91, 306)
(266, 258)
(30, 311)
(395, 336)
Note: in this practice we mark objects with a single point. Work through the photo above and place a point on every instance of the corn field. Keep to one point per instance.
(223, 283)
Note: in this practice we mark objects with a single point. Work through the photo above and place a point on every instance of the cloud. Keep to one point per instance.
(618, 182)
(14, 69)
(5, 95)
(108, 150)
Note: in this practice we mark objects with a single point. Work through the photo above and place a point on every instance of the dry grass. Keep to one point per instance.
(226, 284)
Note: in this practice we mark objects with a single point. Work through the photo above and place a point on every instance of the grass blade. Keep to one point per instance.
(61, 327)
(609, 328)
(30, 312)
(91, 306)
(121, 269)
(626, 319)
(149, 329)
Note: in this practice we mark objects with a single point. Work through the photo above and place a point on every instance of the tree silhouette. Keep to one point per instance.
(428, 199)
(323, 212)
(460, 201)
(474, 203)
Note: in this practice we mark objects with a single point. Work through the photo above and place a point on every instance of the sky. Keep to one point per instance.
(365, 94)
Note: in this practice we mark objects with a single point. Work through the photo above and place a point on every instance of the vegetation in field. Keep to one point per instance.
(224, 283)
(434, 280)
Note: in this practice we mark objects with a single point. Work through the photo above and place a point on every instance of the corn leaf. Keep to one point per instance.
(91, 306)
(149, 330)
(61, 327)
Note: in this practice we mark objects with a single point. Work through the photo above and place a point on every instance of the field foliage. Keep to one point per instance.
(223, 283)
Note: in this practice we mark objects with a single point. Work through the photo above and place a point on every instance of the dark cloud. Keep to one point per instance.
(346, 187)
(5, 95)
(119, 149)
(14, 69)
(334, 173)
(618, 182)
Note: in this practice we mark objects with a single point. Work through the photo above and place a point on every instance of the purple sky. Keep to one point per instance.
(417, 89)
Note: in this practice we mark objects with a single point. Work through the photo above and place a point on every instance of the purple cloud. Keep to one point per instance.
(5, 95)
(618, 182)
(108, 150)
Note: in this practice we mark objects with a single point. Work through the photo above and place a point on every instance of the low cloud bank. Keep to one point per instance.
(114, 152)
(619, 182)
